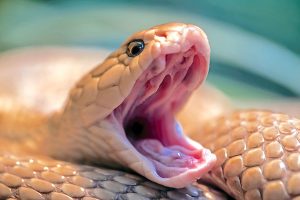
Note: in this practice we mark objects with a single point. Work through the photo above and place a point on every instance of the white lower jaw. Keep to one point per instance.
(178, 177)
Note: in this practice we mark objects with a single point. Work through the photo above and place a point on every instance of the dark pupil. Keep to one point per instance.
(136, 49)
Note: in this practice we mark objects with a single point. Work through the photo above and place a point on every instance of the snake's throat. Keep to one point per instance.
(169, 157)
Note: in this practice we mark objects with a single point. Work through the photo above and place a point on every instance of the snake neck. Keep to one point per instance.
(23, 132)
(68, 137)
(58, 135)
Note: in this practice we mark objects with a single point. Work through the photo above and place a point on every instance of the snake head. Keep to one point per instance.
(126, 106)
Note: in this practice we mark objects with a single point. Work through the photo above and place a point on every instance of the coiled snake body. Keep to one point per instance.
(122, 115)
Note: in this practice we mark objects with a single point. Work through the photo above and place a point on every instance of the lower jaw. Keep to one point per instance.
(163, 143)
(169, 161)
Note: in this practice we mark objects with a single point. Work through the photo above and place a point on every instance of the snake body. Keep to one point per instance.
(121, 115)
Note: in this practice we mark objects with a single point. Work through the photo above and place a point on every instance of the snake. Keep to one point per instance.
(116, 136)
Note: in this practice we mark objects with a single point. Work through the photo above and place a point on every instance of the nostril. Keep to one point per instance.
(161, 34)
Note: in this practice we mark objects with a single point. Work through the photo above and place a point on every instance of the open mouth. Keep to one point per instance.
(148, 116)
(151, 127)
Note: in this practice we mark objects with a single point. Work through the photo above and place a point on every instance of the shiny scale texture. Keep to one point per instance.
(258, 154)
(44, 178)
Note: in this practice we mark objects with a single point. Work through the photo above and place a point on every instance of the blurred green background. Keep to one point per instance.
(255, 44)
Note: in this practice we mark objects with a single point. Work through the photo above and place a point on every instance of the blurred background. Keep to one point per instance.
(255, 44)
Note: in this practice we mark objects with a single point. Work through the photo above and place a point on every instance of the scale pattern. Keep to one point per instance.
(258, 155)
(258, 152)
(44, 178)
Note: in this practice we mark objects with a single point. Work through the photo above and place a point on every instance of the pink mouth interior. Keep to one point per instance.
(149, 122)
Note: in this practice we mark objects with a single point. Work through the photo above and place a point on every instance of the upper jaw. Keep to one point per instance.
(174, 40)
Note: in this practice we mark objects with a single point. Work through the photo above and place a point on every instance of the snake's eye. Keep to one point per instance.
(135, 47)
